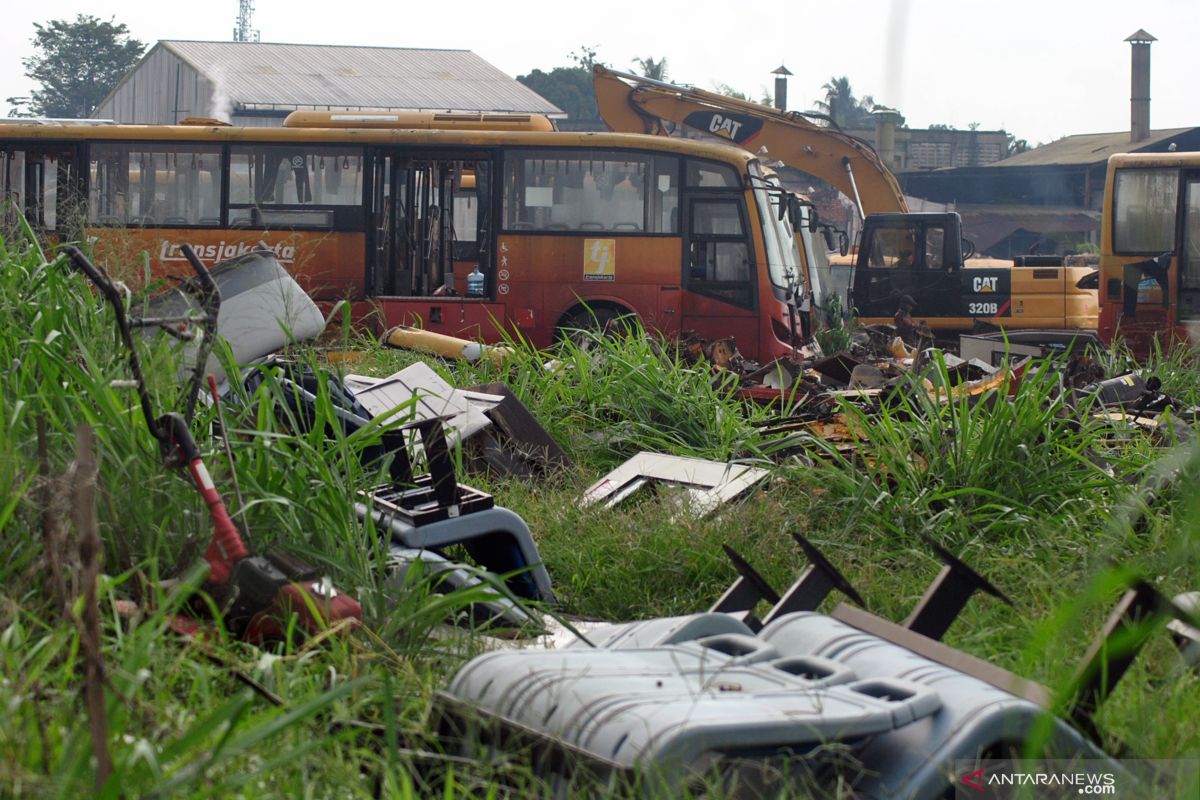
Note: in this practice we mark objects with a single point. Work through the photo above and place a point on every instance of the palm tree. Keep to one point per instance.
(655, 70)
(841, 106)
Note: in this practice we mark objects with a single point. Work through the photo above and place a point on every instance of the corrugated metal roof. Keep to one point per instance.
(1087, 148)
(265, 75)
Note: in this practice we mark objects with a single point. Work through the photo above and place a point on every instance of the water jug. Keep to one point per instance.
(476, 281)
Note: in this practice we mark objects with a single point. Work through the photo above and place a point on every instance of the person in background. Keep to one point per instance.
(906, 328)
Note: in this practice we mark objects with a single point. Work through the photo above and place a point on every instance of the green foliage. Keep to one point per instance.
(77, 64)
(838, 331)
(569, 88)
(1016, 146)
(843, 108)
(608, 396)
(724, 88)
(655, 70)
(1039, 498)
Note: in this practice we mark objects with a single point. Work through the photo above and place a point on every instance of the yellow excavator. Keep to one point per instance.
(900, 254)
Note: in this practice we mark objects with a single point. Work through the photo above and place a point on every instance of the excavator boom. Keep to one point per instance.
(633, 104)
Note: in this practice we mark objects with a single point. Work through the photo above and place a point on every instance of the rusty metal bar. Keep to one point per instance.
(814, 585)
(947, 595)
(746, 592)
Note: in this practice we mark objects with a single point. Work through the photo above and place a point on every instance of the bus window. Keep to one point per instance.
(564, 191)
(708, 175)
(720, 252)
(1190, 273)
(37, 181)
(1144, 208)
(302, 186)
(143, 184)
(935, 247)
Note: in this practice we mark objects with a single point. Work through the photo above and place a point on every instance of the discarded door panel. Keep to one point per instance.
(708, 484)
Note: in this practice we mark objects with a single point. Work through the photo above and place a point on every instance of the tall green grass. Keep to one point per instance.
(1028, 491)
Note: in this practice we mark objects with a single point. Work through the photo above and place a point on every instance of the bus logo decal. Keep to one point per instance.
(599, 259)
(170, 251)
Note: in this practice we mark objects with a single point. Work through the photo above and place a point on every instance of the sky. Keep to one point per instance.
(1040, 69)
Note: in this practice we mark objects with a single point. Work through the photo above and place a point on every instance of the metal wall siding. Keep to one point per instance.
(148, 95)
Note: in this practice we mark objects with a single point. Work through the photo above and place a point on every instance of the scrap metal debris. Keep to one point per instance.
(704, 485)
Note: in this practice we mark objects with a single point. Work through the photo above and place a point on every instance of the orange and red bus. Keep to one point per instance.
(393, 212)
(1150, 250)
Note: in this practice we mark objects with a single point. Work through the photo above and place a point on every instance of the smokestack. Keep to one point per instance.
(885, 135)
(1139, 99)
(781, 76)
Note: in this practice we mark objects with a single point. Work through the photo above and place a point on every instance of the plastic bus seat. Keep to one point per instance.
(495, 531)
(556, 226)
(805, 680)
(176, 221)
(212, 222)
(590, 226)
(143, 221)
(975, 717)
(405, 564)
(666, 709)
(662, 631)
(627, 226)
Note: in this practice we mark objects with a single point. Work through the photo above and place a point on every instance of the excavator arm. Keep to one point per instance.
(633, 104)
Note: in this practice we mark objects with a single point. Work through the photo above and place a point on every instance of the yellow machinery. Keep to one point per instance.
(900, 253)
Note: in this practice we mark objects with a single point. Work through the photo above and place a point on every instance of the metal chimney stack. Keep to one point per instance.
(1139, 100)
(885, 135)
(781, 76)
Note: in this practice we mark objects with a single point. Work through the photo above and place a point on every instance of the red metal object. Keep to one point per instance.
(258, 594)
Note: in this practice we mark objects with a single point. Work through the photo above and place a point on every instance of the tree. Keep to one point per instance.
(585, 58)
(655, 70)
(77, 64)
(729, 91)
(841, 106)
(1016, 145)
(569, 88)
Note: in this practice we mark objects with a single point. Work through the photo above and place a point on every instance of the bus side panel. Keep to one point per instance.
(453, 316)
(1152, 320)
(715, 319)
(327, 265)
(640, 274)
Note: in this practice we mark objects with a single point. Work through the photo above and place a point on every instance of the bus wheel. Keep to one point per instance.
(582, 322)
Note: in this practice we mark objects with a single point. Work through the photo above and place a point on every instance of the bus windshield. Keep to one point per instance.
(782, 259)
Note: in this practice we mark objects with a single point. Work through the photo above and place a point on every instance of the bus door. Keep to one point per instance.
(430, 224)
(1188, 309)
(41, 182)
(718, 273)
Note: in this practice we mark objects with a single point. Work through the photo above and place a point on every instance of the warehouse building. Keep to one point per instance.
(260, 83)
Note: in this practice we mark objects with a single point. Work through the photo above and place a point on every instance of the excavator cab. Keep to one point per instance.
(915, 254)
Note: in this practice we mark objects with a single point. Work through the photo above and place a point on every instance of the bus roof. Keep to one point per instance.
(449, 120)
(376, 136)
(1187, 158)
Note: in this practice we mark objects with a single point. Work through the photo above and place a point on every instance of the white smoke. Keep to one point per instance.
(220, 107)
